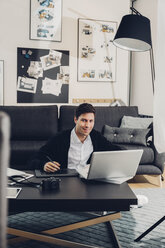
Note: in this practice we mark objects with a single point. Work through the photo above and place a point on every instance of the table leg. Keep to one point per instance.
(85, 223)
(113, 233)
(44, 238)
(47, 239)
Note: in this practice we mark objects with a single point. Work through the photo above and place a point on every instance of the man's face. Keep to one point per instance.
(84, 124)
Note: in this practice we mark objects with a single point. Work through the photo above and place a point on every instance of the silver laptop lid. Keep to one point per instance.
(114, 164)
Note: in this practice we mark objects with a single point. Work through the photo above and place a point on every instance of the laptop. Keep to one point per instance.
(59, 173)
(112, 166)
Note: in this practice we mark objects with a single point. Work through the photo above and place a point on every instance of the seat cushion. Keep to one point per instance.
(148, 153)
(148, 169)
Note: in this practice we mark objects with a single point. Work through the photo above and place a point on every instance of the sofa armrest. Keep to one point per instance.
(159, 160)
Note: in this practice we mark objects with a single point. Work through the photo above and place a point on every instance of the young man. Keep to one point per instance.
(73, 148)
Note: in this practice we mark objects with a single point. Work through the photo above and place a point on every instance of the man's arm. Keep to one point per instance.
(45, 152)
(56, 150)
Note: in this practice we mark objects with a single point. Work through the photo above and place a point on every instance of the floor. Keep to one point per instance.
(146, 182)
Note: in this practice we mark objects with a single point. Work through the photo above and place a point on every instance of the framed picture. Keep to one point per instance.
(96, 52)
(45, 20)
(1, 81)
(42, 75)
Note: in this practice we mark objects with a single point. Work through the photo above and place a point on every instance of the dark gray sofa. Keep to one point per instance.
(32, 126)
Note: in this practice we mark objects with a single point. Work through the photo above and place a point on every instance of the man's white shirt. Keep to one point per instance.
(79, 152)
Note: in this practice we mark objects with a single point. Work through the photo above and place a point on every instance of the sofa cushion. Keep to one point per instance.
(126, 135)
(136, 122)
(148, 153)
(104, 115)
(142, 121)
(148, 169)
(32, 122)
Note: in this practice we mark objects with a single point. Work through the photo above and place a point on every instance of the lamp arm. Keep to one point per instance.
(152, 67)
(135, 11)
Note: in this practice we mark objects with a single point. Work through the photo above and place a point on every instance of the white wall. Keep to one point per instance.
(141, 81)
(159, 96)
(14, 26)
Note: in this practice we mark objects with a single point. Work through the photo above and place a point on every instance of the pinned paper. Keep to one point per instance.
(50, 86)
(27, 84)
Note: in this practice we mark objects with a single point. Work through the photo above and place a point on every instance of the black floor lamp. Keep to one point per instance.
(134, 35)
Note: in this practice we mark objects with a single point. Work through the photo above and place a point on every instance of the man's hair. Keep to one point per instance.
(83, 109)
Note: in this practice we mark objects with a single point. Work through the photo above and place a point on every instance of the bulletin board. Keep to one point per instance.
(42, 75)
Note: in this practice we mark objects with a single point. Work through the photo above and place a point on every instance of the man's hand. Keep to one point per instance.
(51, 166)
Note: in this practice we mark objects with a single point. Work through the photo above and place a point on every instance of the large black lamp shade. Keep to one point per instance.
(134, 33)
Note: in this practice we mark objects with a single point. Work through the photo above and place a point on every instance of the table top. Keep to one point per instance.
(75, 194)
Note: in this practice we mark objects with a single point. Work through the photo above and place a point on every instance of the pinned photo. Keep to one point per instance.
(53, 59)
(27, 85)
(105, 74)
(45, 15)
(107, 28)
(44, 32)
(87, 29)
(63, 75)
(46, 3)
(35, 69)
(88, 74)
(108, 59)
(87, 51)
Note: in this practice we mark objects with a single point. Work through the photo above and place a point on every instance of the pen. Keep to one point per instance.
(50, 159)
(55, 163)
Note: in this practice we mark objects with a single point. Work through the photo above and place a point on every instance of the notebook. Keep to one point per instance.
(13, 172)
(13, 192)
(112, 166)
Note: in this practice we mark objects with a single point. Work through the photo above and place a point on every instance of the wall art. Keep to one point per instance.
(42, 75)
(45, 20)
(96, 52)
(1, 81)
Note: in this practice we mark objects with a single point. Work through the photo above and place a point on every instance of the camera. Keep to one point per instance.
(50, 184)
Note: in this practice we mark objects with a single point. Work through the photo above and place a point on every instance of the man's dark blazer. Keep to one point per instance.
(58, 146)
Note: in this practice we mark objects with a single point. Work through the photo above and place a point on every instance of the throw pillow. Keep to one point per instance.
(126, 135)
(136, 122)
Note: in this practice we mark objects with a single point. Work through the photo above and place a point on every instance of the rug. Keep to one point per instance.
(135, 222)
(129, 227)
(97, 235)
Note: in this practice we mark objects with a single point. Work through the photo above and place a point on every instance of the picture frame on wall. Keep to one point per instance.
(46, 20)
(1, 81)
(96, 52)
